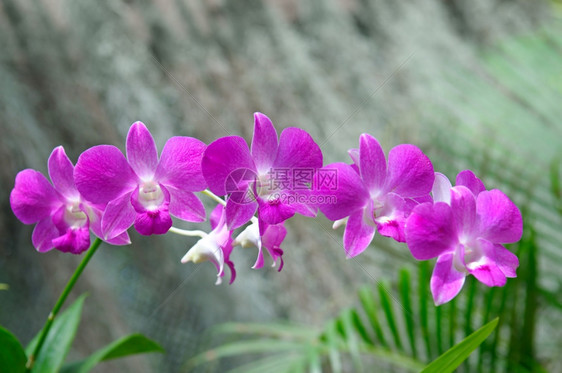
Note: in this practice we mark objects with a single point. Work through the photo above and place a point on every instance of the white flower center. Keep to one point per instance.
(151, 195)
(73, 216)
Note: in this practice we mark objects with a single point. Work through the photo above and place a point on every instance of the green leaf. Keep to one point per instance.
(12, 355)
(454, 357)
(4, 286)
(386, 304)
(58, 340)
(405, 290)
(130, 345)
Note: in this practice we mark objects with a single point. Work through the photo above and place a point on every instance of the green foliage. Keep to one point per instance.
(130, 345)
(59, 339)
(452, 358)
(12, 355)
(396, 325)
(58, 342)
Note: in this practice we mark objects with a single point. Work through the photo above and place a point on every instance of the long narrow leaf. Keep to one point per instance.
(455, 356)
(405, 290)
(130, 345)
(423, 282)
(370, 308)
(58, 340)
(386, 304)
(12, 355)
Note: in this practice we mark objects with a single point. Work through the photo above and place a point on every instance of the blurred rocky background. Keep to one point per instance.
(475, 84)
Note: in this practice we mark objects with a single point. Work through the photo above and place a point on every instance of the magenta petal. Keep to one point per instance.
(484, 268)
(185, 205)
(102, 174)
(43, 235)
(222, 157)
(33, 197)
(153, 221)
(430, 230)
(500, 219)
(392, 218)
(346, 194)
(359, 233)
(95, 217)
(446, 281)
(180, 164)
(216, 216)
(297, 150)
(61, 172)
(74, 241)
(469, 180)
(354, 155)
(372, 162)
(410, 172)
(264, 143)
(119, 215)
(274, 211)
(238, 214)
(506, 261)
(141, 151)
(441, 190)
(463, 206)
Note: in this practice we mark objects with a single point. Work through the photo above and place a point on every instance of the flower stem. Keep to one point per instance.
(91, 251)
(213, 196)
(183, 232)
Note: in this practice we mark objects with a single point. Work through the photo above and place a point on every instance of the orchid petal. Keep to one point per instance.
(410, 172)
(500, 219)
(446, 280)
(221, 158)
(185, 205)
(354, 155)
(153, 221)
(463, 206)
(347, 194)
(102, 174)
(33, 197)
(61, 172)
(297, 149)
(484, 268)
(74, 241)
(275, 211)
(372, 162)
(392, 218)
(441, 190)
(43, 235)
(430, 231)
(264, 143)
(238, 214)
(119, 215)
(180, 164)
(358, 234)
(469, 180)
(216, 216)
(141, 151)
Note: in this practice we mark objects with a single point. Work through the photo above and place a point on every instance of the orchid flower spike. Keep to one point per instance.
(248, 176)
(465, 229)
(142, 189)
(215, 246)
(63, 217)
(373, 194)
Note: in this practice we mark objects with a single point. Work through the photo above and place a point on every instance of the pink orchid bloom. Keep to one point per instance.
(263, 235)
(215, 246)
(230, 167)
(465, 229)
(63, 217)
(373, 195)
(141, 188)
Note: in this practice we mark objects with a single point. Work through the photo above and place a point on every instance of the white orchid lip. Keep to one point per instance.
(151, 195)
(74, 216)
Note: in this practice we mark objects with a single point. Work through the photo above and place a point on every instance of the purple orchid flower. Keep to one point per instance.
(142, 189)
(465, 229)
(263, 235)
(231, 168)
(215, 246)
(63, 217)
(372, 194)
